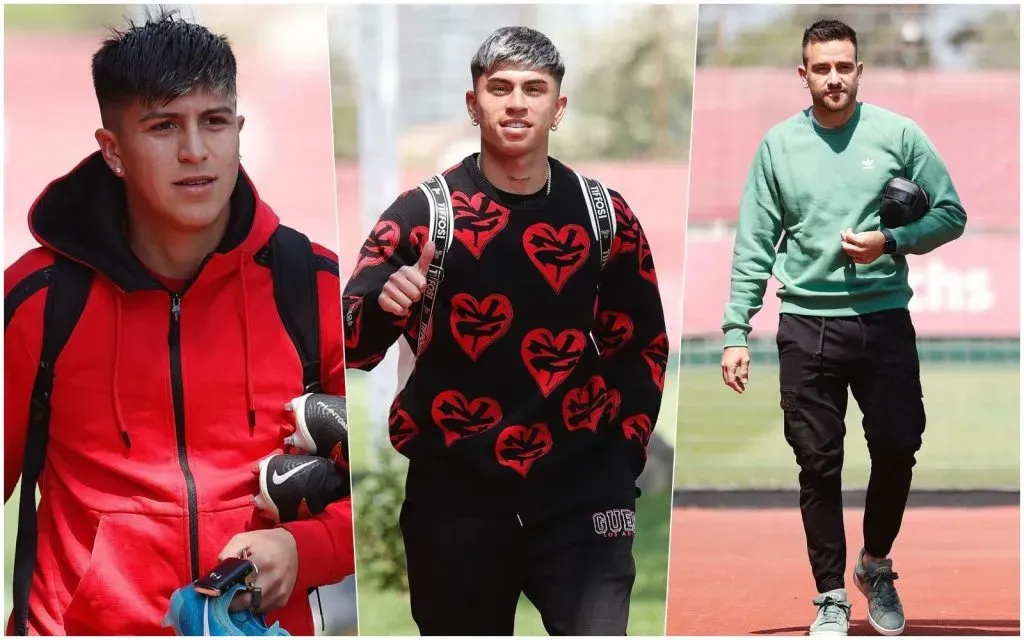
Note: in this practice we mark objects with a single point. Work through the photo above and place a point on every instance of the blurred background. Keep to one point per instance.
(399, 77)
(954, 69)
(50, 115)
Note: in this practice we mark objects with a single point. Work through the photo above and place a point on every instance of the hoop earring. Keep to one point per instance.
(554, 127)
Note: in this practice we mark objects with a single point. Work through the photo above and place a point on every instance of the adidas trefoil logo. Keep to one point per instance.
(867, 164)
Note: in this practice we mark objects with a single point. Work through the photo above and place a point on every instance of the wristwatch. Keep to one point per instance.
(890, 242)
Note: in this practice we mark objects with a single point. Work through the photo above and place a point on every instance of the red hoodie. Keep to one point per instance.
(124, 521)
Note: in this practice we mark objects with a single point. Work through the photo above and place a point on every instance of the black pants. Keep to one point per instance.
(466, 573)
(874, 356)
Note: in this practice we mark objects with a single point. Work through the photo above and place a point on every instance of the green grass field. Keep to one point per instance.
(384, 613)
(971, 441)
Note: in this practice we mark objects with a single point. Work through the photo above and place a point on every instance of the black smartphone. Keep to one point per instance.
(224, 576)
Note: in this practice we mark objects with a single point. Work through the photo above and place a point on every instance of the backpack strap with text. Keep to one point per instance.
(442, 223)
(602, 216)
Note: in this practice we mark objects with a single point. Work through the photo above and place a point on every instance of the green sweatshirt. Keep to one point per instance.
(807, 184)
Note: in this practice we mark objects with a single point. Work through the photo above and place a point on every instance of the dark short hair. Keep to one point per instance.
(518, 46)
(160, 60)
(828, 31)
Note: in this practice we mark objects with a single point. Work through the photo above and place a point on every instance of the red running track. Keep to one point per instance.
(745, 572)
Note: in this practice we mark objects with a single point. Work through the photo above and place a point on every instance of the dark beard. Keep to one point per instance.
(819, 101)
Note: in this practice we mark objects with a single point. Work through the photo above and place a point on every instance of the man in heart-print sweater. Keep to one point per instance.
(527, 415)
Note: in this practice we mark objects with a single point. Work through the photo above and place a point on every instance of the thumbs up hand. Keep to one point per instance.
(406, 285)
(426, 257)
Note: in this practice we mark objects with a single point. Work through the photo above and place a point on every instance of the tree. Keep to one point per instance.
(879, 28)
(993, 42)
(63, 17)
(634, 98)
(344, 108)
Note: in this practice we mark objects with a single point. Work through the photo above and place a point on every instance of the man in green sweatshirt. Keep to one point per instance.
(816, 184)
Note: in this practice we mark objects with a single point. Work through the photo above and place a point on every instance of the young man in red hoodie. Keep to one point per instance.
(539, 373)
(174, 382)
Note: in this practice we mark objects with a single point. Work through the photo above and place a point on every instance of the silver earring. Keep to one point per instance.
(554, 127)
(117, 170)
(474, 121)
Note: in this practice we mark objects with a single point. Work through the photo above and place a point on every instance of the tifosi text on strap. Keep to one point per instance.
(439, 199)
(602, 220)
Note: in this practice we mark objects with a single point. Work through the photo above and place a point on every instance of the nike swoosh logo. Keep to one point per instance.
(281, 479)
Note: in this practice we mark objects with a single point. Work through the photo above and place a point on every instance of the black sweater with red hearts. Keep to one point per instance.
(542, 375)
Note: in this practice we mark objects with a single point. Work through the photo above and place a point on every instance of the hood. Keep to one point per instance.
(80, 216)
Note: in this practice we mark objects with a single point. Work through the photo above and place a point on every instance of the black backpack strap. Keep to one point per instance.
(65, 300)
(442, 221)
(293, 268)
(602, 216)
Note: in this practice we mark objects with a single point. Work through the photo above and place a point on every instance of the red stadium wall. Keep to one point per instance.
(286, 148)
(968, 288)
(51, 116)
(972, 118)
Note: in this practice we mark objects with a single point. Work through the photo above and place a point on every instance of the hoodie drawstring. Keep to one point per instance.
(250, 403)
(118, 414)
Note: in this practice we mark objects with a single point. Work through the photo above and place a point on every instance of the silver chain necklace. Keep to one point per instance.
(548, 179)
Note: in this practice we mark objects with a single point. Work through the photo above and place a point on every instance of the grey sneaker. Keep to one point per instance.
(875, 581)
(833, 617)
